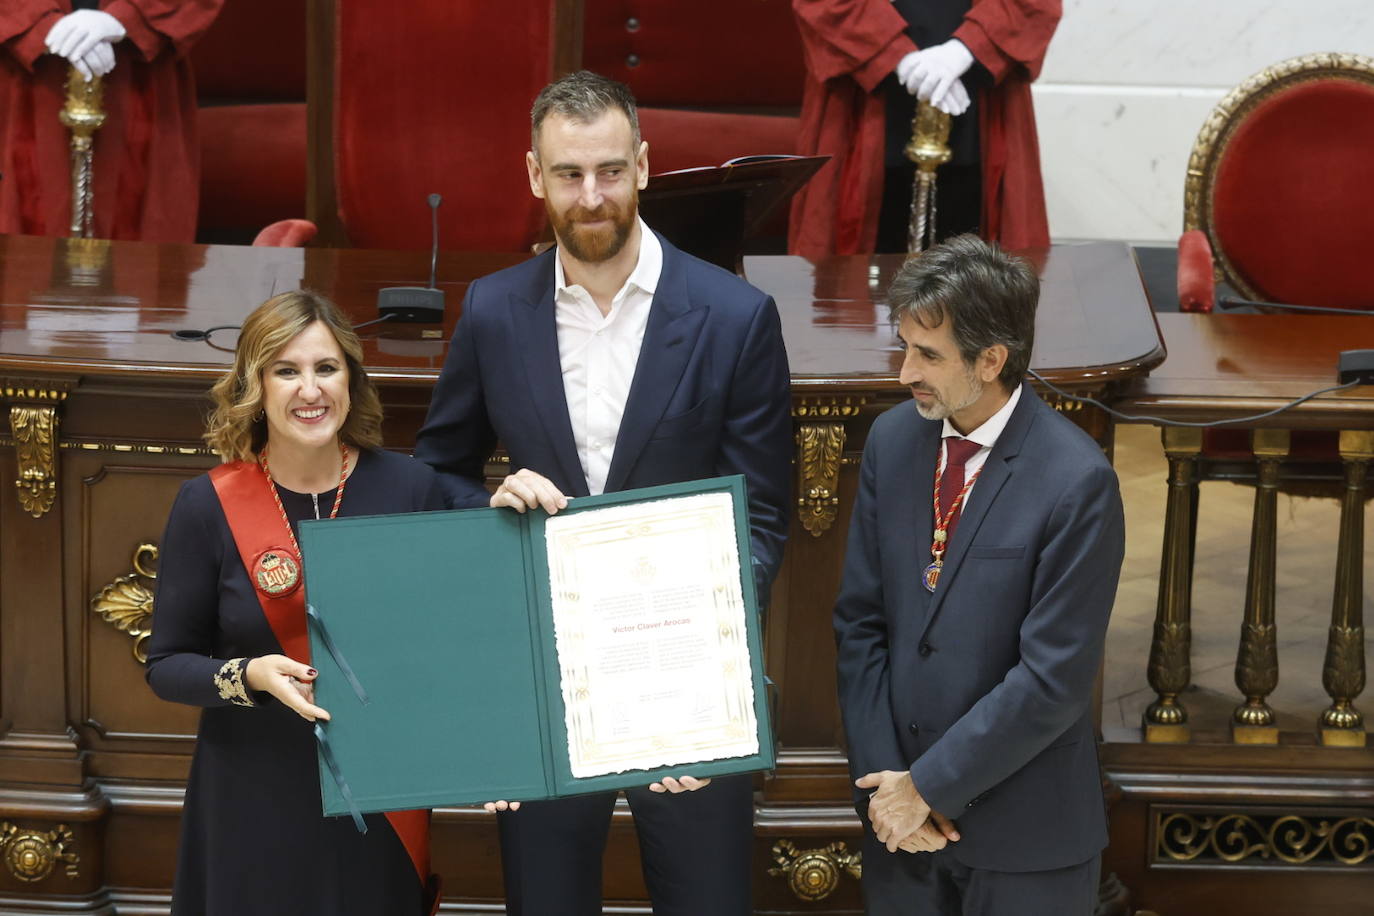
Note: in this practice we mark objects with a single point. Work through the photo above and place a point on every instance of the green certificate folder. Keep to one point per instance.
(442, 664)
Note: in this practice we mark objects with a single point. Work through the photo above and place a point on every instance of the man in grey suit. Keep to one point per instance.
(983, 558)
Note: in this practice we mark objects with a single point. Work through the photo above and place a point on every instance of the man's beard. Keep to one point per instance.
(593, 246)
(940, 409)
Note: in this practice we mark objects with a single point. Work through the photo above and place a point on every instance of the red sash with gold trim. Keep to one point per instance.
(265, 548)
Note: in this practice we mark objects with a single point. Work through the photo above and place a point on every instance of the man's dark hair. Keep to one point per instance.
(583, 96)
(988, 295)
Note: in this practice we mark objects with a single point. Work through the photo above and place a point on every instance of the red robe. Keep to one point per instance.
(146, 157)
(850, 46)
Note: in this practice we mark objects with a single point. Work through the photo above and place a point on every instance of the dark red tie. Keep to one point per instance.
(957, 453)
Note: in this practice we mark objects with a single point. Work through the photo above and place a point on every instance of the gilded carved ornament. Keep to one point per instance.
(129, 448)
(1280, 840)
(1343, 677)
(127, 602)
(33, 429)
(820, 453)
(1064, 405)
(814, 874)
(31, 854)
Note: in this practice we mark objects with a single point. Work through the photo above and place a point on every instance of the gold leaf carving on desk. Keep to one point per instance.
(127, 602)
(35, 433)
(31, 854)
(821, 446)
(814, 874)
(1264, 839)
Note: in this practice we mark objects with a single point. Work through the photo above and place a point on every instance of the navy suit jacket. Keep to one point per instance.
(983, 690)
(710, 394)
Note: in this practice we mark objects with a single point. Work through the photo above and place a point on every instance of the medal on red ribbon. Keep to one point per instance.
(931, 576)
(276, 572)
(256, 518)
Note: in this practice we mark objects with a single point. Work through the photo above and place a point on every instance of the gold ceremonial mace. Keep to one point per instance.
(83, 114)
(929, 149)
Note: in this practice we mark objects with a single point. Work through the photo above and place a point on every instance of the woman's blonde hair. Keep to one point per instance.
(237, 429)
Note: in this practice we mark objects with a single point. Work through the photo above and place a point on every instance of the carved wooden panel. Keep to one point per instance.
(122, 505)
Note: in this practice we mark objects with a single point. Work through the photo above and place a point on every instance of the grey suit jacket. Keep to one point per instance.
(983, 689)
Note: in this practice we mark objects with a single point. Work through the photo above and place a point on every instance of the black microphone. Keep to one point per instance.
(420, 304)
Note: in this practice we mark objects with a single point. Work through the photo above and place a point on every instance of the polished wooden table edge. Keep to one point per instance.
(1079, 377)
(66, 367)
(1199, 759)
(824, 360)
(769, 819)
(1326, 412)
(203, 373)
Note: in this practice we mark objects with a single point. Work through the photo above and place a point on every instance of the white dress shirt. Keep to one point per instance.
(599, 354)
(985, 435)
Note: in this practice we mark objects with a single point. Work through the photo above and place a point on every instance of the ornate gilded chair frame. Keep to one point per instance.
(1221, 125)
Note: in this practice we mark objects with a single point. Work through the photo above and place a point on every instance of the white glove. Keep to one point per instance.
(955, 102)
(933, 73)
(100, 60)
(77, 34)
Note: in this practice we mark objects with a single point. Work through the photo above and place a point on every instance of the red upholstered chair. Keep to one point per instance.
(434, 96)
(1279, 204)
(1279, 199)
(250, 86)
(715, 79)
(286, 233)
(438, 100)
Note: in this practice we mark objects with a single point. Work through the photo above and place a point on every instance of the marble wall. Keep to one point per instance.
(1128, 83)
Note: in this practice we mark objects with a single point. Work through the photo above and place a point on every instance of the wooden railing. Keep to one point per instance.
(1257, 660)
(1272, 813)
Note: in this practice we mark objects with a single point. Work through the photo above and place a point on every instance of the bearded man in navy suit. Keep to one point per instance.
(983, 558)
(616, 361)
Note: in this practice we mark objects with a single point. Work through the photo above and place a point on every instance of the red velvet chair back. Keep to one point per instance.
(250, 87)
(254, 52)
(714, 79)
(722, 54)
(434, 95)
(1282, 182)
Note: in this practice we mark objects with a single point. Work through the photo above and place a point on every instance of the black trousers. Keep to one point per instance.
(696, 849)
(938, 884)
(958, 204)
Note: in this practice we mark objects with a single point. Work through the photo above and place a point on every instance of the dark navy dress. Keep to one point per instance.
(253, 839)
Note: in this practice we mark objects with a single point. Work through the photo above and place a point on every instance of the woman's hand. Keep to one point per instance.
(289, 681)
(503, 805)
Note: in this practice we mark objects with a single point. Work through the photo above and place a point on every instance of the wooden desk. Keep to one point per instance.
(106, 413)
(1223, 366)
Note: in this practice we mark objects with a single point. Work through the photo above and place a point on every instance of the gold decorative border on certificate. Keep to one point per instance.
(713, 516)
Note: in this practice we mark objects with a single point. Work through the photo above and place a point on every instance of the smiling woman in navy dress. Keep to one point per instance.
(297, 423)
